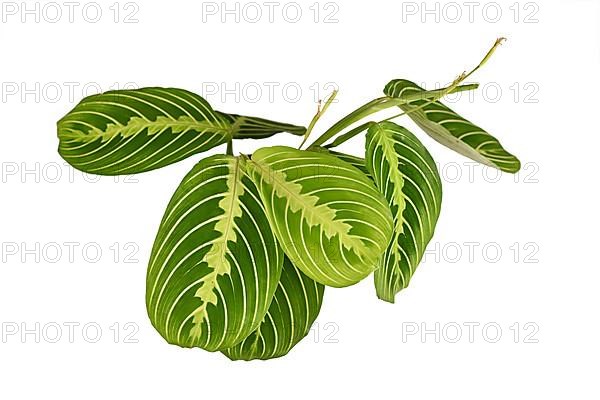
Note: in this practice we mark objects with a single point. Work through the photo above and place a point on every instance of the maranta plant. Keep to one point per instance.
(248, 243)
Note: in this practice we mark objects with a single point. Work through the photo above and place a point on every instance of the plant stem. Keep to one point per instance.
(348, 135)
(317, 116)
(386, 102)
(462, 77)
(447, 91)
(380, 104)
(232, 132)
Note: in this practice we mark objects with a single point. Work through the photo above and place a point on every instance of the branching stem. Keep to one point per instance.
(386, 102)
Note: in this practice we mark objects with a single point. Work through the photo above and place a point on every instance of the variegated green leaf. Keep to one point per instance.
(328, 217)
(295, 306)
(133, 131)
(452, 130)
(259, 128)
(355, 161)
(406, 174)
(215, 263)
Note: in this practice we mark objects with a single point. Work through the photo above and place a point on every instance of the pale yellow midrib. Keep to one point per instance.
(220, 264)
(182, 122)
(338, 227)
(397, 197)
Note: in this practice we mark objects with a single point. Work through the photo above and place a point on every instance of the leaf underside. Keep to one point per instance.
(452, 130)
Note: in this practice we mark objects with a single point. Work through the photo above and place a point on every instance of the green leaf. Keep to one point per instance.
(133, 131)
(355, 161)
(295, 306)
(215, 262)
(405, 172)
(452, 130)
(328, 217)
(259, 128)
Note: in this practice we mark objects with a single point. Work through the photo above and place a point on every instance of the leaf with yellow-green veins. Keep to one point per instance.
(215, 263)
(405, 173)
(349, 158)
(452, 130)
(328, 217)
(133, 131)
(295, 306)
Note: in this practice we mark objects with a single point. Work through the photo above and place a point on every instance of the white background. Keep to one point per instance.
(360, 347)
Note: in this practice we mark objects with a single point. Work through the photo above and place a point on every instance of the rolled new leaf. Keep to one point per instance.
(259, 128)
(406, 174)
(452, 130)
(215, 263)
(328, 217)
(133, 131)
(295, 306)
